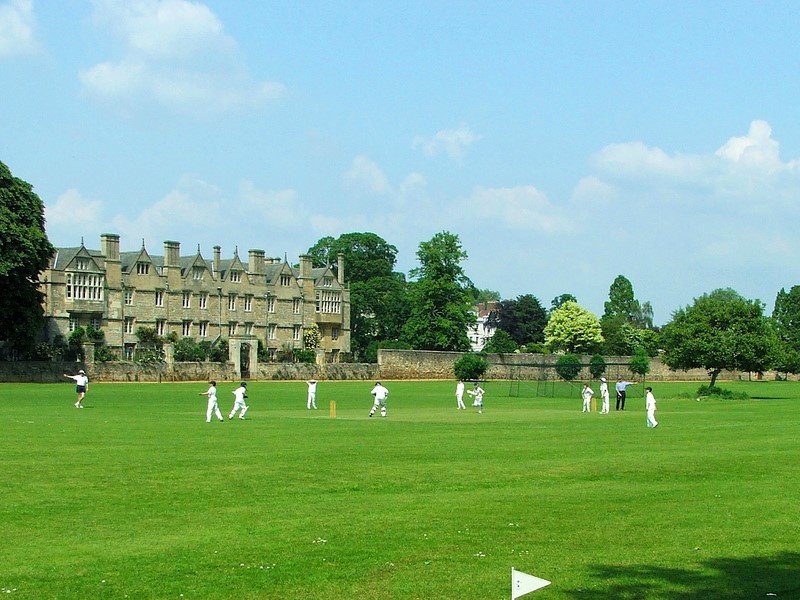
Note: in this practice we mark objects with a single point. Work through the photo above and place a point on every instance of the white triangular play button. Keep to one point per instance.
(522, 583)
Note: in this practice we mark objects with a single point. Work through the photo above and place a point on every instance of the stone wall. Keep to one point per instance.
(420, 364)
(53, 372)
(392, 364)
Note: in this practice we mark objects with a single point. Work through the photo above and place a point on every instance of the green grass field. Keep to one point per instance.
(136, 496)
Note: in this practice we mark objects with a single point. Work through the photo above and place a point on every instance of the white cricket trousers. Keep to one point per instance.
(213, 409)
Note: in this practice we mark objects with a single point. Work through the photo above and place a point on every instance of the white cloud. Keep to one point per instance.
(756, 149)
(452, 142)
(521, 207)
(191, 208)
(280, 208)
(73, 215)
(175, 54)
(17, 29)
(366, 176)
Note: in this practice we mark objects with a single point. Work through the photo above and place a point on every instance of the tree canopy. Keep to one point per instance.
(25, 252)
(441, 298)
(366, 255)
(720, 331)
(786, 318)
(524, 319)
(561, 299)
(573, 328)
(378, 295)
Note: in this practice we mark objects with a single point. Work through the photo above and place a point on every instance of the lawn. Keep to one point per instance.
(136, 496)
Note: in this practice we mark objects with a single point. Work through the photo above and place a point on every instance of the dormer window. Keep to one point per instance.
(142, 268)
(81, 264)
(197, 273)
(286, 280)
(236, 276)
(327, 282)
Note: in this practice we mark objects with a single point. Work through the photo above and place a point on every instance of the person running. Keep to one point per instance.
(213, 407)
(477, 393)
(81, 386)
(380, 393)
(239, 404)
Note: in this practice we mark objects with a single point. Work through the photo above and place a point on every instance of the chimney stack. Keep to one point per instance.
(217, 251)
(256, 262)
(172, 254)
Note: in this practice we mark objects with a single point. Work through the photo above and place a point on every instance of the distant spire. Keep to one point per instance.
(81, 241)
(142, 243)
(285, 257)
(198, 248)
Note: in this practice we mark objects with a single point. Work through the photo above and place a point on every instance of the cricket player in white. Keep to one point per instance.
(588, 394)
(460, 395)
(604, 395)
(239, 395)
(478, 393)
(380, 394)
(81, 386)
(650, 406)
(311, 402)
(213, 407)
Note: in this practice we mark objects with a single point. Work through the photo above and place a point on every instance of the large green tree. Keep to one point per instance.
(524, 319)
(720, 331)
(441, 297)
(24, 253)
(378, 295)
(621, 301)
(786, 318)
(573, 329)
(625, 320)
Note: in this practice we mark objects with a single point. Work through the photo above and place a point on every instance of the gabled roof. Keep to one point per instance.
(64, 256)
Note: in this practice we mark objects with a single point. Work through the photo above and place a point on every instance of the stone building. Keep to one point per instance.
(263, 299)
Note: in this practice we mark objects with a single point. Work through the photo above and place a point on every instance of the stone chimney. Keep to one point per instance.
(216, 266)
(340, 268)
(172, 254)
(109, 246)
(256, 262)
(305, 266)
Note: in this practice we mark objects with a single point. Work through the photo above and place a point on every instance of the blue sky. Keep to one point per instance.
(565, 143)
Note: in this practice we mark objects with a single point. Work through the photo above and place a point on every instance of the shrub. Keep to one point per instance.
(306, 355)
(568, 367)
(597, 366)
(470, 367)
(705, 391)
(640, 362)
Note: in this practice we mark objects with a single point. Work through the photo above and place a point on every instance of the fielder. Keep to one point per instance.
(604, 395)
(239, 395)
(380, 393)
(650, 405)
(81, 386)
(460, 395)
(477, 393)
(311, 401)
(588, 394)
(213, 407)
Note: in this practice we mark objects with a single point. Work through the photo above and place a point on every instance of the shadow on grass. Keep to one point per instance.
(720, 579)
